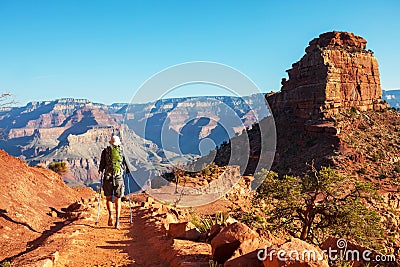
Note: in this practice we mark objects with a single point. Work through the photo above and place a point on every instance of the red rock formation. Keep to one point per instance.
(336, 73)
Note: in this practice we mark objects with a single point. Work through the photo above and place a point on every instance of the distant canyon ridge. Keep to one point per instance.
(76, 130)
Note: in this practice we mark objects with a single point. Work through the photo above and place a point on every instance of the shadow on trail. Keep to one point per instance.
(3, 215)
(34, 244)
(93, 226)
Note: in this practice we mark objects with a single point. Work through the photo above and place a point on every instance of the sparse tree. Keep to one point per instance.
(320, 204)
(178, 173)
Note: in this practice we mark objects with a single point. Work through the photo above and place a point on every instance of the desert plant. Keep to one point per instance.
(204, 224)
(397, 168)
(320, 204)
(362, 171)
(59, 167)
(179, 175)
(205, 170)
(41, 166)
(210, 169)
(5, 264)
(252, 219)
(213, 263)
(353, 112)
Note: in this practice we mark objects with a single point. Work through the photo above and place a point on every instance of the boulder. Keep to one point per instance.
(192, 234)
(230, 239)
(76, 206)
(230, 220)
(246, 260)
(184, 230)
(215, 229)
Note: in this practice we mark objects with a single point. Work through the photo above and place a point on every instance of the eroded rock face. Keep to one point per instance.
(336, 73)
(76, 131)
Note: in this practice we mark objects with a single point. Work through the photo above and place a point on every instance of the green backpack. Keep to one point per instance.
(114, 161)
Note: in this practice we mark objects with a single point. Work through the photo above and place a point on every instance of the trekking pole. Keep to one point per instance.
(130, 203)
(99, 198)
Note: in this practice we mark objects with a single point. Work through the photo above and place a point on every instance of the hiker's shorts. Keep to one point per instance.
(114, 186)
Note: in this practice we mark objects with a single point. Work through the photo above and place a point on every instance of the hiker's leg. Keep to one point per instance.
(117, 202)
(108, 187)
(118, 194)
(109, 208)
(109, 205)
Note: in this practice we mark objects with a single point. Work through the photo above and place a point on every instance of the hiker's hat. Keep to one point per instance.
(115, 140)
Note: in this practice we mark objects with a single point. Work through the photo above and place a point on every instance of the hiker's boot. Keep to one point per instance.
(110, 220)
(117, 224)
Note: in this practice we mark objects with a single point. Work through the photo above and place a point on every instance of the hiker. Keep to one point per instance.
(113, 164)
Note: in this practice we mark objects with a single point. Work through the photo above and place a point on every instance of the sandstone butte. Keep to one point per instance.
(336, 73)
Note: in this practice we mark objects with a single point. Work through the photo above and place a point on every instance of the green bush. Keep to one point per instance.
(397, 168)
(210, 169)
(41, 166)
(5, 264)
(253, 219)
(59, 167)
(320, 204)
(204, 224)
(362, 171)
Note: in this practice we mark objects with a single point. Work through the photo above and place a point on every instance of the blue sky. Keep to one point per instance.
(104, 50)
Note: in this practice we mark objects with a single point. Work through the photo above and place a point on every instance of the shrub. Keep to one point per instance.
(397, 168)
(59, 167)
(5, 264)
(210, 169)
(353, 112)
(41, 166)
(253, 219)
(204, 224)
(320, 204)
(362, 171)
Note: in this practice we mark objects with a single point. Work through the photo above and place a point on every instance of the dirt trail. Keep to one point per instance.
(105, 246)
(82, 243)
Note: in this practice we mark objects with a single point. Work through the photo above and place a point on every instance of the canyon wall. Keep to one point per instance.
(76, 130)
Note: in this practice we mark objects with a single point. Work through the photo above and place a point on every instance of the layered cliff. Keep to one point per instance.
(76, 130)
(336, 73)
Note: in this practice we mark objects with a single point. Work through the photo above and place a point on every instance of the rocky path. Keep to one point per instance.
(102, 245)
(82, 243)
(79, 242)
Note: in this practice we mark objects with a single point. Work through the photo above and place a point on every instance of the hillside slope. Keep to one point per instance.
(27, 197)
